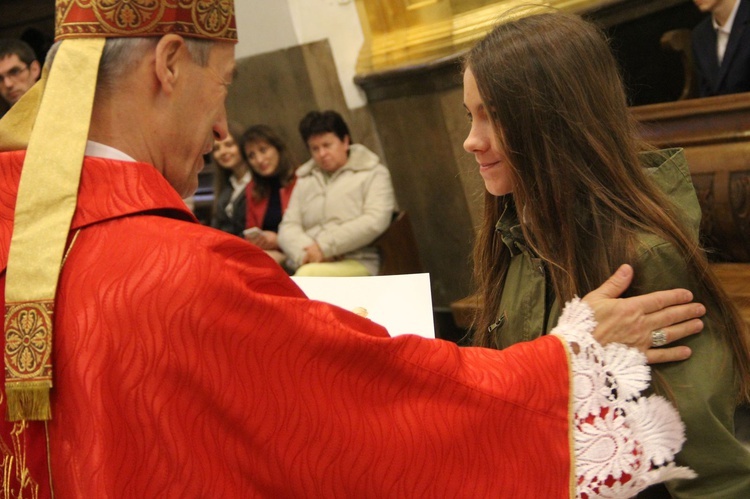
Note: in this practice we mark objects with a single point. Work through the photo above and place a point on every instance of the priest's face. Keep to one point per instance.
(198, 117)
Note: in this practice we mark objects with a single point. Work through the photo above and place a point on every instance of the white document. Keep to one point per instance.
(400, 303)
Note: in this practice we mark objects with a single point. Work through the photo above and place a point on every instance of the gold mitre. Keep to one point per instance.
(51, 121)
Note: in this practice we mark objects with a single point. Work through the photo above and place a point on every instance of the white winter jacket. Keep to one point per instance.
(343, 213)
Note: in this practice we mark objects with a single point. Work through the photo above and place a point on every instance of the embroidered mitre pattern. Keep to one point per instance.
(210, 19)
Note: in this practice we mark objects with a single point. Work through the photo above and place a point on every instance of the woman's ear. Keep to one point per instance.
(170, 54)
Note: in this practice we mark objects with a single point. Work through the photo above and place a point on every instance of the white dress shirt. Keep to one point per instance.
(722, 32)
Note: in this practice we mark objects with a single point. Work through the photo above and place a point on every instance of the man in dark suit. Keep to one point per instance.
(721, 44)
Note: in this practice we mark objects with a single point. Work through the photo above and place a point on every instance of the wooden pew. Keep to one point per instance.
(715, 133)
(735, 277)
(398, 247)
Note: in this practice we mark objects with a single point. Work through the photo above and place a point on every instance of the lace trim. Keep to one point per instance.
(624, 442)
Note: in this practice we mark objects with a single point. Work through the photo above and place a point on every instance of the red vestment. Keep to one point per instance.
(187, 364)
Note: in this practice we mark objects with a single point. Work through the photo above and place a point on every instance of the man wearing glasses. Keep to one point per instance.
(19, 69)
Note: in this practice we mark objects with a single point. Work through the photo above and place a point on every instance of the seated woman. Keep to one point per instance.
(269, 192)
(231, 177)
(572, 193)
(342, 202)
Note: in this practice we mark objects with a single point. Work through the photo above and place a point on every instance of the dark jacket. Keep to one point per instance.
(703, 388)
(220, 220)
(734, 74)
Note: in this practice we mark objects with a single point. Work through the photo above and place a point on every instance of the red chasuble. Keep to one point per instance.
(187, 364)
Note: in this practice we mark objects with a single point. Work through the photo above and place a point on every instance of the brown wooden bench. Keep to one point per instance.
(398, 247)
(735, 277)
(680, 42)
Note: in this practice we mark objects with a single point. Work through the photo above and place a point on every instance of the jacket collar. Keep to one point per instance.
(509, 228)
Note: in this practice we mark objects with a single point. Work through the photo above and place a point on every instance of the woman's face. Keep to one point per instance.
(227, 153)
(263, 157)
(483, 142)
(329, 151)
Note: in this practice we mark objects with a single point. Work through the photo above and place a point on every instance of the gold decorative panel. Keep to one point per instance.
(417, 4)
(405, 32)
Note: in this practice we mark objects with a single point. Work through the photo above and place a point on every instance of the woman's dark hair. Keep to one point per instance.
(287, 163)
(317, 123)
(557, 104)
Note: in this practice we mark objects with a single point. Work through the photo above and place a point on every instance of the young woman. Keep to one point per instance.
(571, 194)
(230, 179)
(269, 192)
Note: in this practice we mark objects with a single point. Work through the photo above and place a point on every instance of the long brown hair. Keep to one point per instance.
(557, 104)
(287, 164)
(222, 175)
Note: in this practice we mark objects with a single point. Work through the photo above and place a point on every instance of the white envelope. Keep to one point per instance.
(400, 303)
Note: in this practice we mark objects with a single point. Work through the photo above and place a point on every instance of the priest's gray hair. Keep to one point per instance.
(121, 56)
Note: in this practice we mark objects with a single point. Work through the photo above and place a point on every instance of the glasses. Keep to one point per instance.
(14, 74)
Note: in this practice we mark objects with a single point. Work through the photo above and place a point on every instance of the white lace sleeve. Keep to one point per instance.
(624, 442)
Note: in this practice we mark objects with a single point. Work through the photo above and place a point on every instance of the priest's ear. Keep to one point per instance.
(170, 54)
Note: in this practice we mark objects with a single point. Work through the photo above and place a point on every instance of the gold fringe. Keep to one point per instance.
(28, 401)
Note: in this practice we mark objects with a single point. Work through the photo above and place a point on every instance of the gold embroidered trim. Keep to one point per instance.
(28, 339)
(70, 247)
(17, 480)
(43, 214)
(49, 460)
(28, 342)
(212, 19)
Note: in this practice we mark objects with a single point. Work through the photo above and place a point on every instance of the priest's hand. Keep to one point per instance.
(645, 322)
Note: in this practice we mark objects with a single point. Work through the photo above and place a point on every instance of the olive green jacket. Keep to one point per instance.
(703, 388)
